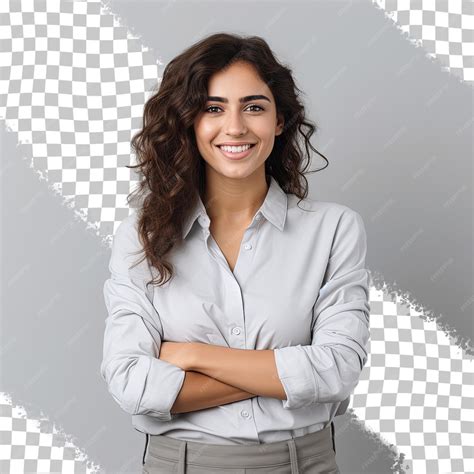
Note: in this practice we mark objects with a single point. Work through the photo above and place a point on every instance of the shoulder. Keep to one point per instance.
(335, 223)
(128, 257)
(127, 231)
(126, 243)
(329, 210)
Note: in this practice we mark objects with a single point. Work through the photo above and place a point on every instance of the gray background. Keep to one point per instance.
(397, 131)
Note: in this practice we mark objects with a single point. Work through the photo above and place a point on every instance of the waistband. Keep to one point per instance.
(241, 456)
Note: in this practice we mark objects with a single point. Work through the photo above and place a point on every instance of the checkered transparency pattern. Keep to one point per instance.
(416, 392)
(444, 28)
(26, 446)
(417, 389)
(73, 83)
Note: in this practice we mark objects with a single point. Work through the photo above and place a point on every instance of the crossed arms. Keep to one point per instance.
(217, 375)
(137, 362)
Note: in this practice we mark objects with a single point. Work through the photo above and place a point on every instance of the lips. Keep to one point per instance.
(241, 145)
(236, 156)
(235, 144)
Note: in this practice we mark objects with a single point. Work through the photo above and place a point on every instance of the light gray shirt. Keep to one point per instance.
(299, 287)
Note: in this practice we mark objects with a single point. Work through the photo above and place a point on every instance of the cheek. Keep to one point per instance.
(205, 130)
(269, 139)
(265, 130)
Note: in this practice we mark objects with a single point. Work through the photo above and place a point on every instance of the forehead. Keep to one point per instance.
(240, 78)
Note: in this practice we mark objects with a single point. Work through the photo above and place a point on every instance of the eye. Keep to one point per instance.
(208, 109)
(258, 106)
(211, 107)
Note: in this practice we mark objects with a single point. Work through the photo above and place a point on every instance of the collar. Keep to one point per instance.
(274, 209)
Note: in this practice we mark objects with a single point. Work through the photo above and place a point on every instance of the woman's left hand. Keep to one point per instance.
(177, 353)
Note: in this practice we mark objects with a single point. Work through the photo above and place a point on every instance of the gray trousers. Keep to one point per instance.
(314, 453)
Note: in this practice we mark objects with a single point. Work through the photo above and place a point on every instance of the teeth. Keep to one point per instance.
(235, 149)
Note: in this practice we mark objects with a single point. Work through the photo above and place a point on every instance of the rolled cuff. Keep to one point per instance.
(162, 387)
(296, 376)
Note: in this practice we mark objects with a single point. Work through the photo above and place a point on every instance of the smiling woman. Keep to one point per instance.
(236, 137)
(223, 90)
(235, 342)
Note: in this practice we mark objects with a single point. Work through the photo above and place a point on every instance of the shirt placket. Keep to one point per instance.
(236, 316)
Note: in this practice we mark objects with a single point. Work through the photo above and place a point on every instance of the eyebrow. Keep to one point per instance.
(247, 98)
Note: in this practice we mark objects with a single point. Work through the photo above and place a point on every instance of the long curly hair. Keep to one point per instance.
(171, 170)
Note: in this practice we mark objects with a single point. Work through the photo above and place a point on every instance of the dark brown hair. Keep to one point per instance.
(171, 170)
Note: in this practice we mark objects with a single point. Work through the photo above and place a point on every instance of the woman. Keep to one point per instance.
(243, 330)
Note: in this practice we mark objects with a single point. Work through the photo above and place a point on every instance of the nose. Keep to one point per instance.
(235, 124)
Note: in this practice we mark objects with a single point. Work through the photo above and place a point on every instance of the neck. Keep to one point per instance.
(234, 200)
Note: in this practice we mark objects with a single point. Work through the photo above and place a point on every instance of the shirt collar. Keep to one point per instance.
(274, 209)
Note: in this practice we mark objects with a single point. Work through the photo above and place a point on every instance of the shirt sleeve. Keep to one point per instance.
(139, 382)
(328, 370)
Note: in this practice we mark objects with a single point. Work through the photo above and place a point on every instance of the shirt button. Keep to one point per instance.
(258, 217)
(236, 331)
(245, 413)
(247, 246)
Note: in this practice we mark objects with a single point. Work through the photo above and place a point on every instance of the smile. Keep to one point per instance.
(236, 152)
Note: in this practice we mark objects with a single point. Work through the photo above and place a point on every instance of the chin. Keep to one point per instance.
(236, 174)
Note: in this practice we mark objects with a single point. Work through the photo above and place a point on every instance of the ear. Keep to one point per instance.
(280, 124)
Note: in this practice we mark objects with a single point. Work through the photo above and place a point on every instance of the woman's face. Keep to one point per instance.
(225, 119)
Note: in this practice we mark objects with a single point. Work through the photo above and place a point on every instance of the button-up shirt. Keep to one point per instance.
(299, 287)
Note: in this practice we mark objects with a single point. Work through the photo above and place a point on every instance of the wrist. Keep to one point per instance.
(195, 356)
